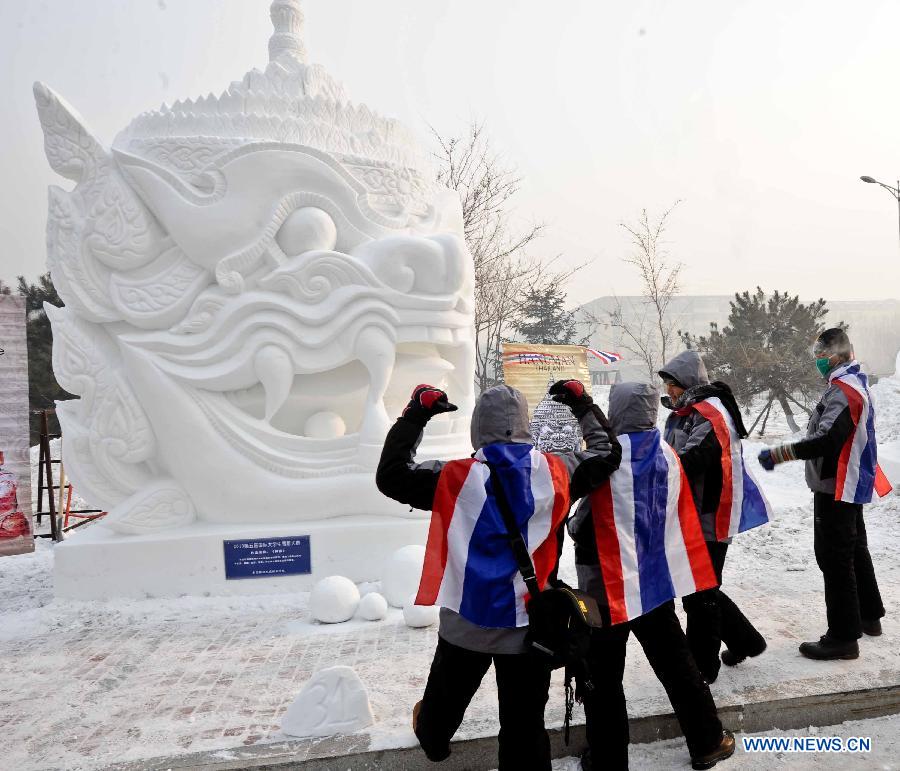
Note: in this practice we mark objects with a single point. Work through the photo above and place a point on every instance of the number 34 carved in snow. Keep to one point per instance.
(329, 707)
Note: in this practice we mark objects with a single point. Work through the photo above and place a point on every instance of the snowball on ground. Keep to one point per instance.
(401, 574)
(373, 607)
(419, 616)
(332, 701)
(333, 599)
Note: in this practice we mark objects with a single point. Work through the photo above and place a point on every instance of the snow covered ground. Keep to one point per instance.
(127, 680)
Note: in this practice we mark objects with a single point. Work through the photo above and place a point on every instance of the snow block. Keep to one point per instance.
(97, 563)
(401, 575)
(333, 701)
(373, 607)
(333, 600)
(419, 616)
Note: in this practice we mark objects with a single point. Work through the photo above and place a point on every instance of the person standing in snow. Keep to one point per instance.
(842, 472)
(712, 616)
(470, 569)
(623, 532)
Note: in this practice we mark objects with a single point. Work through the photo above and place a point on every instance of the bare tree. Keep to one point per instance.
(648, 330)
(503, 270)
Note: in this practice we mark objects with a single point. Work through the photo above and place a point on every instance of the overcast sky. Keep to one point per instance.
(759, 114)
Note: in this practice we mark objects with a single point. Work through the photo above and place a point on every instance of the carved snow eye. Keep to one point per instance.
(305, 230)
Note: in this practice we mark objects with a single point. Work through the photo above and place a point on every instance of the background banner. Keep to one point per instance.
(531, 368)
(16, 533)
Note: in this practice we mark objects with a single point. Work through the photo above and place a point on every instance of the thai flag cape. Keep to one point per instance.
(649, 538)
(858, 472)
(743, 505)
(469, 563)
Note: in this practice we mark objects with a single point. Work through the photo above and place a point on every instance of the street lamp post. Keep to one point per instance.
(894, 191)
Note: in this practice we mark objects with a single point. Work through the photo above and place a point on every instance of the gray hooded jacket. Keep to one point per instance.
(687, 369)
(829, 426)
(633, 407)
(687, 433)
(500, 415)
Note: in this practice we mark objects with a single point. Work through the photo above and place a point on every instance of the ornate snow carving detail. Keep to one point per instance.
(159, 299)
(107, 432)
(253, 284)
(163, 505)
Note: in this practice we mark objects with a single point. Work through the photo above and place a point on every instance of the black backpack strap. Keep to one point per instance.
(519, 547)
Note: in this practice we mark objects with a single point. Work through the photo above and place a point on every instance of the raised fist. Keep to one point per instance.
(426, 402)
(772, 456)
(766, 460)
(572, 393)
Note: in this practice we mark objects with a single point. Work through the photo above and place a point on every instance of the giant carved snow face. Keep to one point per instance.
(241, 336)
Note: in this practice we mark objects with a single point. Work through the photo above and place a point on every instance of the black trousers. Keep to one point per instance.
(522, 686)
(842, 553)
(713, 618)
(660, 635)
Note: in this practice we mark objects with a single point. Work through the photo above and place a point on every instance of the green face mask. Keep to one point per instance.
(823, 366)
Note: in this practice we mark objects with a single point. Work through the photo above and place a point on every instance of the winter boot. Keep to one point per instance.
(827, 649)
(872, 628)
(722, 752)
(732, 659)
(586, 763)
(415, 719)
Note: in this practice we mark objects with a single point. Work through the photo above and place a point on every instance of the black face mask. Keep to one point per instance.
(666, 401)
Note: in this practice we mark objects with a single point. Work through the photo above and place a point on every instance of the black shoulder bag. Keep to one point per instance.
(560, 619)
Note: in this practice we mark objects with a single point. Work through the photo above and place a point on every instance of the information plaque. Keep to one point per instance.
(267, 557)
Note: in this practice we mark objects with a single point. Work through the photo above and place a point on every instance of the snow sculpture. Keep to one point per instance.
(333, 600)
(401, 574)
(419, 616)
(373, 607)
(253, 284)
(553, 426)
(333, 701)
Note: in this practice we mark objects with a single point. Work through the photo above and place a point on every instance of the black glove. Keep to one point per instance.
(573, 394)
(426, 402)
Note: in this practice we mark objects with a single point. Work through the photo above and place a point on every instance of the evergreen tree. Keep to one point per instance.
(543, 317)
(765, 349)
(43, 390)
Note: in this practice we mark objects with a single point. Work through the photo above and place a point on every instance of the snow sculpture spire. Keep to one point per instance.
(287, 40)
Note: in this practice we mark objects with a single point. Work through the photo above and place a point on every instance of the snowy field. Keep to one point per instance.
(86, 684)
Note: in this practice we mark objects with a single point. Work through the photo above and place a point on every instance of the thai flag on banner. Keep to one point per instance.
(743, 505)
(607, 357)
(858, 473)
(469, 563)
(648, 534)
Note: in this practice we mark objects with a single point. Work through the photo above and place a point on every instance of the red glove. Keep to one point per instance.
(572, 393)
(426, 402)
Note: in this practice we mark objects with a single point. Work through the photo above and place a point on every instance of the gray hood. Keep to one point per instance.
(633, 407)
(500, 415)
(687, 368)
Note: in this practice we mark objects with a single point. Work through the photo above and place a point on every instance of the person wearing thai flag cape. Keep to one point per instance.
(470, 569)
(705, 430)
(842, 472)
(638, 546)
